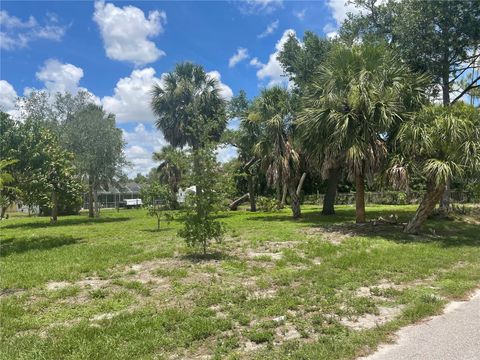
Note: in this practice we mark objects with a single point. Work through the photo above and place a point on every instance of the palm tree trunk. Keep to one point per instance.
(97, 207)
(54, 218)
(278, 188)
(90, 201)
(445, 199)
(284, 196)
(428, 203)
(251, 193)
(360, 199)
(331, 193)
(300, 184)
(295, 202)
(3, 211)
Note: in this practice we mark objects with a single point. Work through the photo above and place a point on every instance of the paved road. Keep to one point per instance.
(455, 335)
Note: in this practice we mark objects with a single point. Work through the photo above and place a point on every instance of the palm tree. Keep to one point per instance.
(173, 163)
(188, 107)
(353, 103)
(280, 159)
(444, 145)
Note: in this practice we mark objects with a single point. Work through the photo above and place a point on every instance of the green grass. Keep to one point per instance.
(115, 288)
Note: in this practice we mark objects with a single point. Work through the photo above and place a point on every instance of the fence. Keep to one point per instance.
(392, 198)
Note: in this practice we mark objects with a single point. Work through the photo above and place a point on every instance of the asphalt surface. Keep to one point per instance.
(454, 335)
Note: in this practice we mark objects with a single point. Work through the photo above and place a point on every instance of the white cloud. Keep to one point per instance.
(269, 30)
(330, 31)
(257, 63)
(142, 142)
(240, 55)
(8, 96)
(126, 32)
(272, 71)
(59, 77)
(340, 9)
(225, 90)
(131, 98)
(260, 6)
(300, 15)
(17, 33)
(226, 153)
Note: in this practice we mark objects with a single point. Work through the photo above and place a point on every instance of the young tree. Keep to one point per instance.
(158, 199)
(443, 143)
(43, 172)
(98, 147)
(200, 224)
(190, 111)
(353, 104)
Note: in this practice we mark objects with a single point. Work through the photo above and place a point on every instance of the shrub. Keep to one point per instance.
(266, 204)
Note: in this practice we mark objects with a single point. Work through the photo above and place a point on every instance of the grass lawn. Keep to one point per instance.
(276, 288)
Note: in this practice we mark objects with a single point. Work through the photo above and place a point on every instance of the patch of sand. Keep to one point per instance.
(369, 321)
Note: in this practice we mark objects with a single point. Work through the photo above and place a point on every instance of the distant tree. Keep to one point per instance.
(53, 110)
(442, 143)
(158, 199)
(6, 179)
(172, 169)
(44, 172)
(98, 147)
(9, 192)
(438, 37)
(190, 111)
(140, 179)
(300, 60)
(188, 107)
(273, 110)
(244, 139)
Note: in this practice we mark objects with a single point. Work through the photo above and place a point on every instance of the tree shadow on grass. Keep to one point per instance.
(446, 233)
(64, 222)
(21, 245)
(212, 256)
(153, 231)
(341, 216)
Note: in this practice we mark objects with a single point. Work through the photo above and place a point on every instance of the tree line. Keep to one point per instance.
(58, 147)
(362, 106)
(382, 103)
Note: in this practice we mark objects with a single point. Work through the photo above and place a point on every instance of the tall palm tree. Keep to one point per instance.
(354, 101)
(280, 159)
(188, 107)
(443, 144)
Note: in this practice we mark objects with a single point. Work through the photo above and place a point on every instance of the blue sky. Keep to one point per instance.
(117, 50)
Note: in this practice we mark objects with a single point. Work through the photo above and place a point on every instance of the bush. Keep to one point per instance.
(200, 225)
(266, 204)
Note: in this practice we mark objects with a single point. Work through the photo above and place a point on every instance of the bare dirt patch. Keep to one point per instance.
(327, 234)
(369, 321)
(255, 255)
(285, 333)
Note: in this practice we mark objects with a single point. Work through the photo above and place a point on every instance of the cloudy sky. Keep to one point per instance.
(118, 50)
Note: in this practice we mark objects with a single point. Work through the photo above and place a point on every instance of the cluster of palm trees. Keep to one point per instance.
(363, 113)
